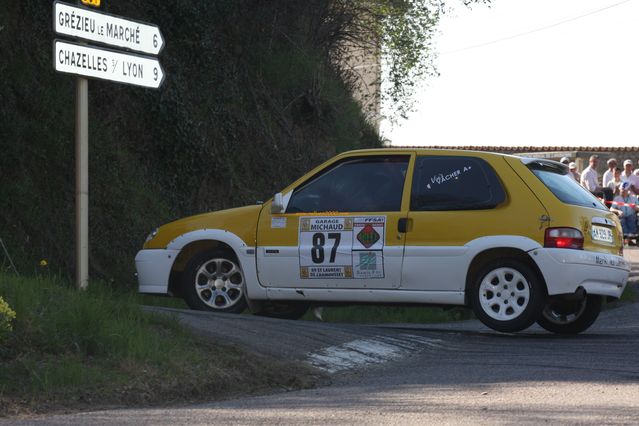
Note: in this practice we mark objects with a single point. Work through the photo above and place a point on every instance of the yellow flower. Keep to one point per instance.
(43, 263)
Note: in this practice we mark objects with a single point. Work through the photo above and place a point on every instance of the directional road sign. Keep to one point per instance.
(107, 29)
(106, 64)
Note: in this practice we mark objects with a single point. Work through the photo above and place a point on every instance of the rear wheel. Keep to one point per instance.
(565, 316)
(213, 281)
(507, 295)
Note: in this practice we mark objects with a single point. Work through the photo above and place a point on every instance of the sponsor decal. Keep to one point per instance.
(278, 222)
(369, 264)
(329, 247)
(441, 178)
(368, 236)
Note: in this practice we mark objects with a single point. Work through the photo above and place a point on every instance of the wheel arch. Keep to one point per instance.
(188, 252)
(200, 240)
(491, 254)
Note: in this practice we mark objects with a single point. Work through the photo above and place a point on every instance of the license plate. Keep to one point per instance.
(600, 233)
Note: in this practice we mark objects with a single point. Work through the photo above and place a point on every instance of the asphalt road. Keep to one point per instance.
(446, 373)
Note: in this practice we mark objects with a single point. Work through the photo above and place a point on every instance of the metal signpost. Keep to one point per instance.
(104, 64)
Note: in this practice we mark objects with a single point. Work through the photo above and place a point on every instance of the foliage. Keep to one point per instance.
(6, 316)
(251, 101)
(400, 33)
(72, 348)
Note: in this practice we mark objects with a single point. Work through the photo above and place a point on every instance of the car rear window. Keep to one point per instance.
(455, 183)
(563, 185)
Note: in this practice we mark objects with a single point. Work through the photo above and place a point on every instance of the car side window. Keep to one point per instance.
(364, 184)
(455, 183)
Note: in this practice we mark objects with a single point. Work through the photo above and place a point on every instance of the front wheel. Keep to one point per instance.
(213, 281)
(507, 295)
(564, 316)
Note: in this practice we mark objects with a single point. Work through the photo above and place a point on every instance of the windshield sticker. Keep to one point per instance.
(441, 178)
(330, 247)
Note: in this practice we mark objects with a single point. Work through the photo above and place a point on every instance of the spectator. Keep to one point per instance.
(626, 208)
(573, 169)
(636, 172)
(565, 160)
(590, 180)
(590, 177)
(628, 176)
(614, 183)
(610, 173)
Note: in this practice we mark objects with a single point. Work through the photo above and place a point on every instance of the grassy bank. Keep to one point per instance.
(71, 350)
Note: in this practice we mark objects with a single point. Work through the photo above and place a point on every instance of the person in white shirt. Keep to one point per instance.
(628, 176)
(590, 177)
(590, 180)
(610, 173)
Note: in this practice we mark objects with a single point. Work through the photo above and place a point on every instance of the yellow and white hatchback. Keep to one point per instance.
(516, 239)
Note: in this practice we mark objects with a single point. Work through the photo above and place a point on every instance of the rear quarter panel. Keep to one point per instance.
(568, 215)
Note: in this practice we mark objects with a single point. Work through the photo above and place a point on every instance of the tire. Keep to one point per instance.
(563, 316)
(507, 295)
(214, 281)
(282, 309)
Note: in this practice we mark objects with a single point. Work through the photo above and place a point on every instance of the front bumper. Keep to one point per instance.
(566, 270)
(154, 267)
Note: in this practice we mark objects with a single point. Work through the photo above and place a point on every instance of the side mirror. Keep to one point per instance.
(277, 206)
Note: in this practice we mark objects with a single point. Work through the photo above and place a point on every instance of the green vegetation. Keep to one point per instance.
(71, 349)
(7, 315)
(630, 293)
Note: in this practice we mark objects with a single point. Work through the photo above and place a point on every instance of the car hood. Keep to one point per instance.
(241, 221)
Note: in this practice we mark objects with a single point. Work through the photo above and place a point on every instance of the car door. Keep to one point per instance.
(340, 227)
(457, 199)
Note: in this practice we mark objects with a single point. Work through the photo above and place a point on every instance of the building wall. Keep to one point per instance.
(363, 67)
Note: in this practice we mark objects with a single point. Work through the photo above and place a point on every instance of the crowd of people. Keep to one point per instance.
(618, 188)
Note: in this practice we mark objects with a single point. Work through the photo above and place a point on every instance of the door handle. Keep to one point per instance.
(402, 225)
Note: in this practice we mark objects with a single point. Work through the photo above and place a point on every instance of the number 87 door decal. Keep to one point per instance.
(333, 247)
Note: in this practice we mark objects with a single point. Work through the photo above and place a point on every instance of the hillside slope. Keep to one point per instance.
(250, 102)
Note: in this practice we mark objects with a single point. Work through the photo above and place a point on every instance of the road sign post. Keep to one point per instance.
(105, 64)
(82, 182)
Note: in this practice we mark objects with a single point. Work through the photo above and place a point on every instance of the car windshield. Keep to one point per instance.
(560, 181)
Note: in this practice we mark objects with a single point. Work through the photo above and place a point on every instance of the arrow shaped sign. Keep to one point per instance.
(105, 64)
(107, 29)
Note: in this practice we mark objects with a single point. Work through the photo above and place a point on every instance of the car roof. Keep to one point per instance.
(426, 151)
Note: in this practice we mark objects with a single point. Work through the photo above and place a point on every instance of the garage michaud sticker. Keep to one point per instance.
(342, 247)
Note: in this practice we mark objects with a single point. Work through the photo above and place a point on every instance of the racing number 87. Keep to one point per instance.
(319, 240)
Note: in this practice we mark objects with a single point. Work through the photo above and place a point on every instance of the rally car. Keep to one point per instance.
(516, 239)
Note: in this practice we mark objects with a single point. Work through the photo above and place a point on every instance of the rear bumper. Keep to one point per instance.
(566, 270)
(154, 268)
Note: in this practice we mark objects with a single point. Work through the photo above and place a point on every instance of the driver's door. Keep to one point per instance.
(340, 229)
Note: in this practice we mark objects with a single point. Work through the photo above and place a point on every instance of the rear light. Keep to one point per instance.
(620, 239)
(569, 238)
